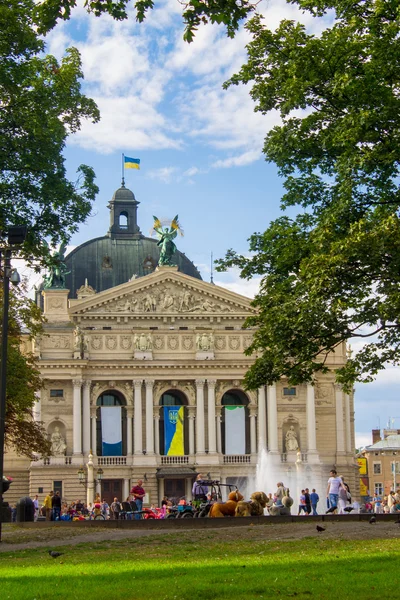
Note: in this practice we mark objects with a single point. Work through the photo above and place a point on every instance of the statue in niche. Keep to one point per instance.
(58, 445)
(57, 269)
(166, 235)
(291, 442)
(78, 339)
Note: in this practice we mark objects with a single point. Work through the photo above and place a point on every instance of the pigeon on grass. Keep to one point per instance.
(372, 520)
(320, 529)
(348, 509)
(55, 554)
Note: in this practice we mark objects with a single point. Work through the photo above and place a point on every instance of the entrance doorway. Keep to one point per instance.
(110, 489)
(174, 489)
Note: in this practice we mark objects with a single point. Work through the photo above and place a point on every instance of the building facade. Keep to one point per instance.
(162, 352)
(382, 472)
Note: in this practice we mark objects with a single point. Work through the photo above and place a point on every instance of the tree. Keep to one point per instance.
(22, 433)
(195, 12)
(40, 104)
(333, 272)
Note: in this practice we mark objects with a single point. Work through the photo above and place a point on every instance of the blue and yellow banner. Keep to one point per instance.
(173, 431)
(131, 163)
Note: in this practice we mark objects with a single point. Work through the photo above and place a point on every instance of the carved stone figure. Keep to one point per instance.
(143, 342)
(185, 301)
(58, 445)
(205, 342)
(78, 338)
(168, 301)
(291, 442)
(149, 303)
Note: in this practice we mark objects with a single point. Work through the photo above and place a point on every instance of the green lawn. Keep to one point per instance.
(179, 567)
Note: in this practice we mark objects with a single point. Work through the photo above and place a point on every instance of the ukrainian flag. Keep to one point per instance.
(173, 431)
(131, 163)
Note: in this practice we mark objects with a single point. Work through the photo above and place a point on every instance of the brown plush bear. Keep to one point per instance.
(254, 508)
(226, 509)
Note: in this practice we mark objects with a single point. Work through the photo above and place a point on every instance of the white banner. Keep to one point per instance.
(235, 430)
(111, 430)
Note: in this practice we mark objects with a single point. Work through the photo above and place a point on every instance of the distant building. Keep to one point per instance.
(382, 463)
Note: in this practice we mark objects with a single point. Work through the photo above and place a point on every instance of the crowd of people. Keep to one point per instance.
(338, 501)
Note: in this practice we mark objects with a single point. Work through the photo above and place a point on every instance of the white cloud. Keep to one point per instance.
(363, 439)
(238, 161)
(165, 174)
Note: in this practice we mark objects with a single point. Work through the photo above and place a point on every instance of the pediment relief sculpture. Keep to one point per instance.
(165, 299)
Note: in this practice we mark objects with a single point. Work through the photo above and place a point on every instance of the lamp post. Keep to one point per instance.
(16, 235)
(88, 480)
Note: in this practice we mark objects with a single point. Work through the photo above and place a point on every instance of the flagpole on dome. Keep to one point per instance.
(123, 164)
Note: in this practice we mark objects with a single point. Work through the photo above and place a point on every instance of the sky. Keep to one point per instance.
(161, 100)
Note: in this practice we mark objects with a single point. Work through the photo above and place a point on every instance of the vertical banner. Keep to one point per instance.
(111, 430)
(235, 430)
(173, 431)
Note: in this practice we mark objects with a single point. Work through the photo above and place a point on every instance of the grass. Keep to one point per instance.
(189, 566)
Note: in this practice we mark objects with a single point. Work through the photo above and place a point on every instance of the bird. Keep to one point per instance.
(320, 529)
(54, 554)
(372, 520)
(348, 509)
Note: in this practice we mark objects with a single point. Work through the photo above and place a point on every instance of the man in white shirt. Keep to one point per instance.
(332, 491)
(36, 507)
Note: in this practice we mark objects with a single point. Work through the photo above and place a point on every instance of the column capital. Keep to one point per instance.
(338, 387)
(200, 382)
(137, 383)
(93, 412)
(77, 383)
(87, 383)
(149, 383)
(211, 382)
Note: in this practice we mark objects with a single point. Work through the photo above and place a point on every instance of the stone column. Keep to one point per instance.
(157, 429)
(129, 411)
(200, 447)
(340, 440)
(272, 419)
(219, 423)
(253, 441)
(86, 416)
(37, 407)
(349, 444)
(125, 489)
(90, 480)
(93, 416)
(137, 421)
(262, 425)
(212, 440)
(311, 425)
(77, 416)
(149, 416)
(191, 431)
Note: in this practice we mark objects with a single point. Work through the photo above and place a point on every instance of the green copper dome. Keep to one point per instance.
(124, 253)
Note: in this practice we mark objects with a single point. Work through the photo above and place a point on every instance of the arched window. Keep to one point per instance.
(111, 424)
(174, 430)
(123, 220)
(235, 423)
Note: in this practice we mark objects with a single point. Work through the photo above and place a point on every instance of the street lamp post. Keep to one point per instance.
(16, 236)
(88, 480)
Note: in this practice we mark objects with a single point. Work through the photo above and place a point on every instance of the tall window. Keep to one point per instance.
(235, 425)
(174, 430)
(377, 469)
(378, 489)
(111, 424)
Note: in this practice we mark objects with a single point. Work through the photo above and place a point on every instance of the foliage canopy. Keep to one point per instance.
(333, 272)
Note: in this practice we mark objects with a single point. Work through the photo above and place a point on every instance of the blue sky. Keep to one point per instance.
(162, 101)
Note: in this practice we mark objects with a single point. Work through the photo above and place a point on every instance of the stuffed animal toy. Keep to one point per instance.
(254, 508)
(226, 509)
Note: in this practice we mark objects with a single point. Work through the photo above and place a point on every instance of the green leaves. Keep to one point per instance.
(332, 273)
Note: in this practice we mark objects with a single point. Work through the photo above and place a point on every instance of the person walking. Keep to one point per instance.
(115, 509)
(308, 501)
(314, 501)
(302, 504)
(48, 505)
(332, 491)
(138, 494)
(342, 500)
(56, 506)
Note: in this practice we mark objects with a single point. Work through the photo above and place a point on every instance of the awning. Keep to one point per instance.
(175, 472)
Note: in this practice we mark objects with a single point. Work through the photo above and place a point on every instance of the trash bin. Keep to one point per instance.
(25, 510)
